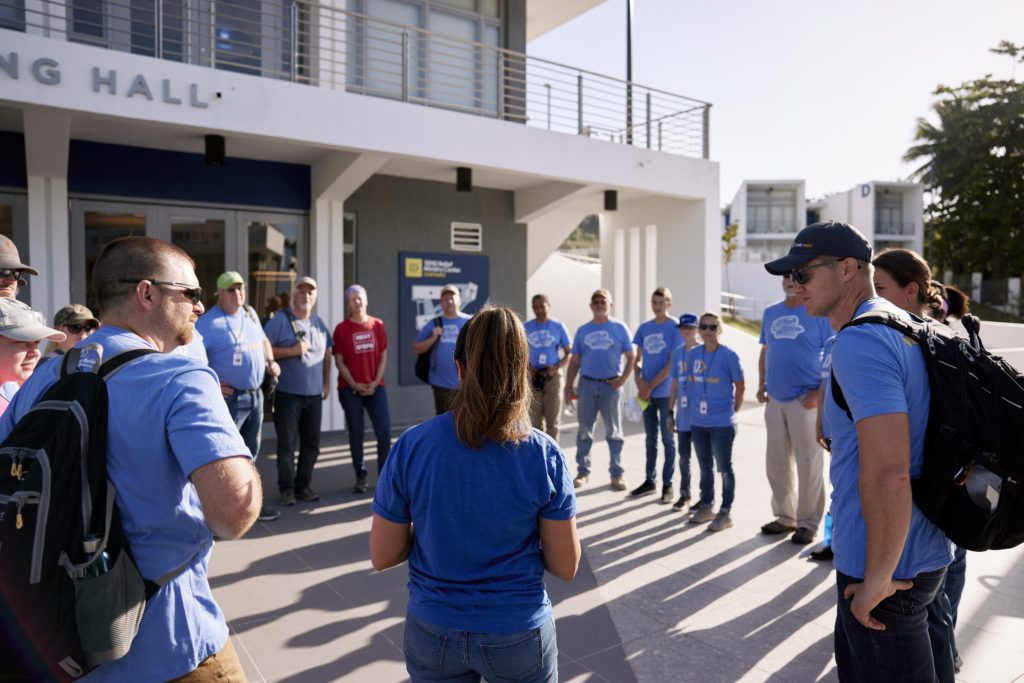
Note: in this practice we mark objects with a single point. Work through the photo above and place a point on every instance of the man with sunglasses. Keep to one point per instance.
(12, 270)
(76, 322)
(890, 560)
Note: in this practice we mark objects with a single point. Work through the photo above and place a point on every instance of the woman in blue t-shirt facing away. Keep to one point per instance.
(715, 397)
(480, 503)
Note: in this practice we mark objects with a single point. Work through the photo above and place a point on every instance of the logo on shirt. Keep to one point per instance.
(682, 366)
(787, 327)
(654, 344)
(698, 367)
(599, 340)
(363, 342)
(450, 334)
(541, 338)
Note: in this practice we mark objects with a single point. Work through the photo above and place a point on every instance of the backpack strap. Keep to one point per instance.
(295, 324)
(433, 347)
(105, 369)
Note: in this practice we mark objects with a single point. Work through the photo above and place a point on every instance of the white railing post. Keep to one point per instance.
(579, 104)
(295, 41)
(405, 66)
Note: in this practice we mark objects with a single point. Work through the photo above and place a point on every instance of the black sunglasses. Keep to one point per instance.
(190, 292)
(16, 273)
(84, 327)
(709, 326)
(799, 275)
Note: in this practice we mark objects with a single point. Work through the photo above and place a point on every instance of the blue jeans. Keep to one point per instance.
(246, 410)
(376, 406)
(656, 416)
(439, 653)
(599, 397)
(684, 464)
(297, 421)
(942, 613)
(714, 449)
(903, 652)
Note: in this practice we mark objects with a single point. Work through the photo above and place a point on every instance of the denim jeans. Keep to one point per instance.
(942, 613)
(439, 653)
(684, 464)
(297, 421)
(656, 418)
(595, 397)
(246, 410)
(714, 450)
(903, 652)
(376, 406)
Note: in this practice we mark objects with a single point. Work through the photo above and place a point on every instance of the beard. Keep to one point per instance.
(184, 337)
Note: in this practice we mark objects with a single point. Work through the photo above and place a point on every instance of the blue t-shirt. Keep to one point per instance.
(194, 349)
(684, 387)
(443, 373)
(881, 372)
(167, 418)
(794, 341)
(302, 375)
(231, 338)
(475, 563)
(656, 342)
(713, 374)
(826, 359)
(546, 340)
(600, 347)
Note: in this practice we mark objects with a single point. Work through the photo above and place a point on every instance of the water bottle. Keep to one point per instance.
(828, 528)
(983, 486)
(102, 563)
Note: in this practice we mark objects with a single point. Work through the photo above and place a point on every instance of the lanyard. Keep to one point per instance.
(707, 367)
(241, 324)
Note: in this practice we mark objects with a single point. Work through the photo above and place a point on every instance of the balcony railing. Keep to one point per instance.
(321, 46)
(770, 228)
(894, 228)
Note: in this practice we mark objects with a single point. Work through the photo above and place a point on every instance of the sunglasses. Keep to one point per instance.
(192, 293)
(84, 327)
(709, 326)
(16, 273)
(799, 275)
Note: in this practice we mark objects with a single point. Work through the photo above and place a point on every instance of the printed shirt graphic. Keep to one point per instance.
(684, 386)
(713, 374)
(546, 340)
(360, 346)
(657, 342)
(794, 341)
(600, 347)
(442, 372)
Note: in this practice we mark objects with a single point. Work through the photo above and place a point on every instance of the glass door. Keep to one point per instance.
(274, 243)
(93, 224)
(204, 234)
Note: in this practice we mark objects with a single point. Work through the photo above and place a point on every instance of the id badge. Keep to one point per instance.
(236, 359)
(682, 401)
(543, 360)
(703, 407)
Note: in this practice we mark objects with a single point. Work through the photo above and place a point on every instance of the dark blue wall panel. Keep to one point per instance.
(12, 160)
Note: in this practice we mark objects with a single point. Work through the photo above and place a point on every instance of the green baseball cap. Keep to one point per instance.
(228, 279)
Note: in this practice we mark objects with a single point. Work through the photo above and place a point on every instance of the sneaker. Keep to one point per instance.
(803, 536)
(307, 494)
(824, 554)
(701, 513)
(360, 486)
(681, 503)
(268, 515)
(722, 521)
(288, 497)
(619, 484)
(776, 527)
(580, 480)
(643, 489)
(667, 494)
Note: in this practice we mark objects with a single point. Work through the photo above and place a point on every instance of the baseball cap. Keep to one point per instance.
(451, 288)
(831, 238)
(688, 320)
(19, 322)
(229, 279)
(9, 258)
(305, 280)
(74, 314)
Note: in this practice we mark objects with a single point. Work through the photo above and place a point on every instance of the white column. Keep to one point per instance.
(326, 232)
(632, 313)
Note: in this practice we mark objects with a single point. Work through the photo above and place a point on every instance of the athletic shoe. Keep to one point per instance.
(580, 480)
(776, 527)
(722, 521)
(619, 484)
(802, 536)
(681, 503)
(360, 486)
(667, 494)
(288, 497)
(268, 515)
(701, 514)
(643, 489)
(307, 494)
(824, 554)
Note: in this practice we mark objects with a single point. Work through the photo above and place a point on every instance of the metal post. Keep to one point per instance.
(648, 119)
(579, 104)
(659, 135)
(629, 72)
(707, 136)
(405, 66)
(158, 29)
(295, 41)
(213, 35)
(548, 86)
(501, 85)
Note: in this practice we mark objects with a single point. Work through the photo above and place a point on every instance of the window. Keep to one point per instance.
(12, 15)
(771, 210)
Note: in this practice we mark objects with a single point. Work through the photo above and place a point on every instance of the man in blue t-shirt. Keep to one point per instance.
(789, 381)
(597, 354)
(240, 354)
(655, 340)
(549, 353)
(300, 341)
(440, 341)
(890, 560)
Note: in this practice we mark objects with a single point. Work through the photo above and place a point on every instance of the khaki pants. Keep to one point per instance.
(546, 411)
(791, 440)
(222, 666)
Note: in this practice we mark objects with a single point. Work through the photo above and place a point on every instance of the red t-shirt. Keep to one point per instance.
(360, 347)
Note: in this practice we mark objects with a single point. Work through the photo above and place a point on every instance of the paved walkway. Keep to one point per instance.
(656, 599)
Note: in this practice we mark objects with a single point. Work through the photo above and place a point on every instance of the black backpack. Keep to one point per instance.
(970, 482)
(427, 358)
(54, 493)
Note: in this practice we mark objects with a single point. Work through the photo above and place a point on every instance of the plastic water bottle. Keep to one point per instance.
(102, 563)
(984, 486)
(828, 528)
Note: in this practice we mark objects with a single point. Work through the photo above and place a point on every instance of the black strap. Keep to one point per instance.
(106, 368)
(295, 324)
(433, 347)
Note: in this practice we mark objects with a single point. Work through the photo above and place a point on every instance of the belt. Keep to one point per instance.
(246, 391)
(597, 379)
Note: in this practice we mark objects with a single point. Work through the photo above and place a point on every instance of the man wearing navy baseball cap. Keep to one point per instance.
(890, 560)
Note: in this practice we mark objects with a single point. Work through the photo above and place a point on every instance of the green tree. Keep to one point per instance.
(973, 166)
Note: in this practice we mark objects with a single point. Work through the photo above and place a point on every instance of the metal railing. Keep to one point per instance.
(894, 228)
(767, 228)
(316, 45)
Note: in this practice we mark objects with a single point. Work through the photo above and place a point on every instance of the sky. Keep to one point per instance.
(820, 90)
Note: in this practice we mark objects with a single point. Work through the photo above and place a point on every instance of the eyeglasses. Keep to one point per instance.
(799, 275)
(709, 326)
(190, 292)
(84, 327)
(16, 273)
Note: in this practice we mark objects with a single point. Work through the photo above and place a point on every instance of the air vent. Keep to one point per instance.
(467, 237)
